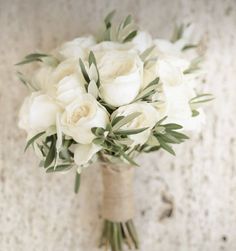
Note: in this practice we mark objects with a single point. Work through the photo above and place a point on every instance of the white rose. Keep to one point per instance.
(121, 74)
(64, 83)
(142, 41)
(80, 116)
(77, 48)
(37, 113)
(168, 68)
(84, 153)
(178, 109)
(148, 118)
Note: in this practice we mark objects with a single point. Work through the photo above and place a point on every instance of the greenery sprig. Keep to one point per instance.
(39, 57)
(122, 33)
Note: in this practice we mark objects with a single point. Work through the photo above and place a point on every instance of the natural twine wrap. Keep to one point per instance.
(118, 203)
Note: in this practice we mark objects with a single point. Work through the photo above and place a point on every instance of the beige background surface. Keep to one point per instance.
(40, 212)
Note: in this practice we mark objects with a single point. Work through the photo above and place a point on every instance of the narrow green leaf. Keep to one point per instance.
(153, 82)
(30, 60)
(108, 18)
(160, 121)
(92, 60)
(131, 161)
(31, 141)
(127, 21)
(178, 33)
(77, 182)
(36, 55)
(59, 168)
(178, 135)
(173, 126)
(202, 98)
(131, 131)
(84, 72)
(126, 120)
(166, 146)
(116, 120)
(130, 36)
(146, 53)
(168, 138)
(51, 154)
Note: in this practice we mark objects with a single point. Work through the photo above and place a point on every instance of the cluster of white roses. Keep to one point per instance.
(68, 102)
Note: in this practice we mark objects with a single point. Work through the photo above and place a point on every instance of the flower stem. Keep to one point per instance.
(115, 234)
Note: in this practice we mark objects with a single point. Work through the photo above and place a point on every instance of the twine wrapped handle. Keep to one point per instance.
(118, 200)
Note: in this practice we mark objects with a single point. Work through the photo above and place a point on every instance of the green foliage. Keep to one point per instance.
(39, 57)
(77, 182)
(116, 234)
(148, 91)
(92, 82)
(146, 53)
(122, 33)
(33, 139)
(54, 160)
(84, 72)
(178, 33)
(201, 98)
(114, 140)
(163, 135)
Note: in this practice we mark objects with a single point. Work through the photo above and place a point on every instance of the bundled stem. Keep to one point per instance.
(118, 207)
(116, 234)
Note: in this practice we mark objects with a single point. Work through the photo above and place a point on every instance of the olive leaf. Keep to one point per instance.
(39, 57)
(31, 141)
(108, 18)
(59, 168)
(202, 98)
(126, 120)
(146, 53)
(84, 72)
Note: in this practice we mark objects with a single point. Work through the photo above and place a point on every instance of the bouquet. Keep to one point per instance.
(107, 99)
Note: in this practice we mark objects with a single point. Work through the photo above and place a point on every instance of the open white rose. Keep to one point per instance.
(37, 113)
(80, 116)
(121, 74)
(84, 153)
(148, 118)
(77, 48)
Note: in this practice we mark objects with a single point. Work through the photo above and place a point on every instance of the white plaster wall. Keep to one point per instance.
(40, 212)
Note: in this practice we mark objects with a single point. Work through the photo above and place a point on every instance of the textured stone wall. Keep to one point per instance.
(187, 203)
